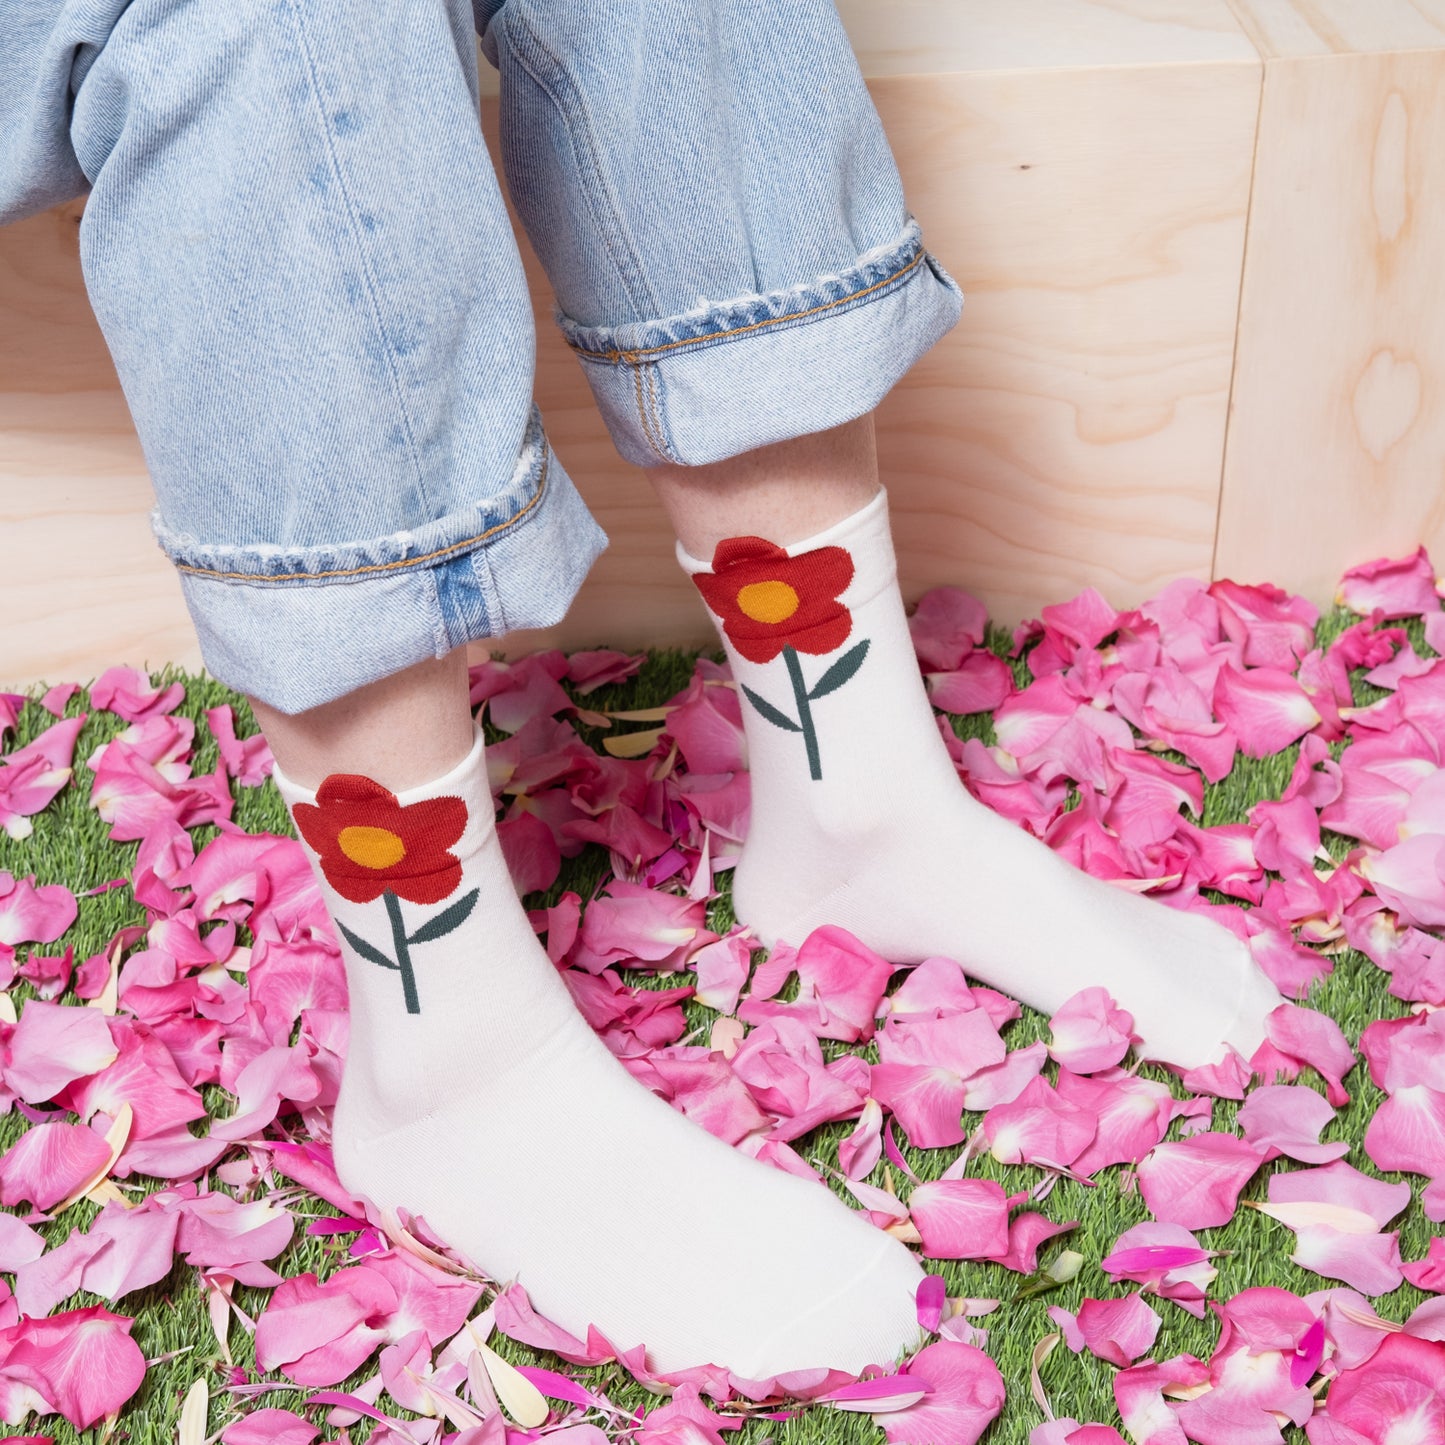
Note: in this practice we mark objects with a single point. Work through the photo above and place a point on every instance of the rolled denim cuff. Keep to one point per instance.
(733, 375)
(301, 626)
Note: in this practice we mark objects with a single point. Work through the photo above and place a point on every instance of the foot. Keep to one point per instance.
(477, 1096)
(859, 818)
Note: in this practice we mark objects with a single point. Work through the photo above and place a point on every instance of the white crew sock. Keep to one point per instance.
(496, 1113)
(886, 842)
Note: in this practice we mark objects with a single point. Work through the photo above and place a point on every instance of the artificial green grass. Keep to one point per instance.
(69, 846)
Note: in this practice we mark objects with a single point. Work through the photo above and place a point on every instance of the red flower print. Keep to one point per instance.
(768, 600)
(368, 843)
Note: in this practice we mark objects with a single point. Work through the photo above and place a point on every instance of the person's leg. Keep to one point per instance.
(863, 821)
(299, 255)
(742, 284)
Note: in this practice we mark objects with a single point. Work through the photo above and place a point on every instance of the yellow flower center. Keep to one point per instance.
(371, 847)
(768, 601)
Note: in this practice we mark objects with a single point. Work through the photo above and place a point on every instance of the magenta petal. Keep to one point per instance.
(966, 1395)
(1396, 1396)
(931, 1296)
(1118, 1330)
(269, 1427)
(1147, 1260)
(879, 1395)
(1196, 1182)
(84, 1362)
(1368, 1262)
(1407, 1131)
(960, 1218)
(946, 625)
(53, 1045)
(1289, 1118)
(1264, 707)
(1402, 587)
(48, 1162)
(557, 1387)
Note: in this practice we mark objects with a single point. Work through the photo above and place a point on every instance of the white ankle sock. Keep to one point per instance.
(859, 818)
(477, 1096)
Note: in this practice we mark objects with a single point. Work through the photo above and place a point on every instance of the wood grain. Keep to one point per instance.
(1293, 29)
(1083, 167)
(1337, 447)
(1070, 430)
(83, 584)
(946, 37)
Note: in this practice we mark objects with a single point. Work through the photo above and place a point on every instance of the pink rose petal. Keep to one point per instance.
(966, 1393)
(960, 1218)
(47, 1163)
(1264, 707)
(1196, 1182)
(83, 1362)
(1404, 587)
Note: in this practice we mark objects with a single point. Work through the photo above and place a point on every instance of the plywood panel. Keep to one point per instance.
(1285, 29)
(1337, 449)
(1070, 430)
(933, 37)
(82, 583)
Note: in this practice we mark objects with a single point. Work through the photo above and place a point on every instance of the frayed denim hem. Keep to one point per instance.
(297, 628)
(684, 390)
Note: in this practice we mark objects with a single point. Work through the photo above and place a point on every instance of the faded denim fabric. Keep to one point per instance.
(297, 249)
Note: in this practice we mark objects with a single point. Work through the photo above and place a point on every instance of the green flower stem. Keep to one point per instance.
(403, 956)
(805, 711)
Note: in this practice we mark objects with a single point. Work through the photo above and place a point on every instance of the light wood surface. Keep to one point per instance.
(1085, 168)
(1069, 431)
(1293, 29)
(937, 37)
(1337, 447)
(82, 582)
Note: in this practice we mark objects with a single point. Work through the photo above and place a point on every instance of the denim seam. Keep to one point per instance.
(451, 547)
(356, 236)
(654, 386)
(491, 594)
(643, 411)
(632, 357)
(579, 134)
(440, 637)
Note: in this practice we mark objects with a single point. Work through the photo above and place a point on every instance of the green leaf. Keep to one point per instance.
(767, 710)
(372, 955)
(840, 671)
(446, 920)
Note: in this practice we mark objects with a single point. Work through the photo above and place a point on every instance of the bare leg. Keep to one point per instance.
(402, 731)
(784, 492)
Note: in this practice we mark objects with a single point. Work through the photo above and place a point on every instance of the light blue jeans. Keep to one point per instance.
(298, 252)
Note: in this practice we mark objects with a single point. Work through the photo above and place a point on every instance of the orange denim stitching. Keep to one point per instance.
(382, 566)
(632, 356)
